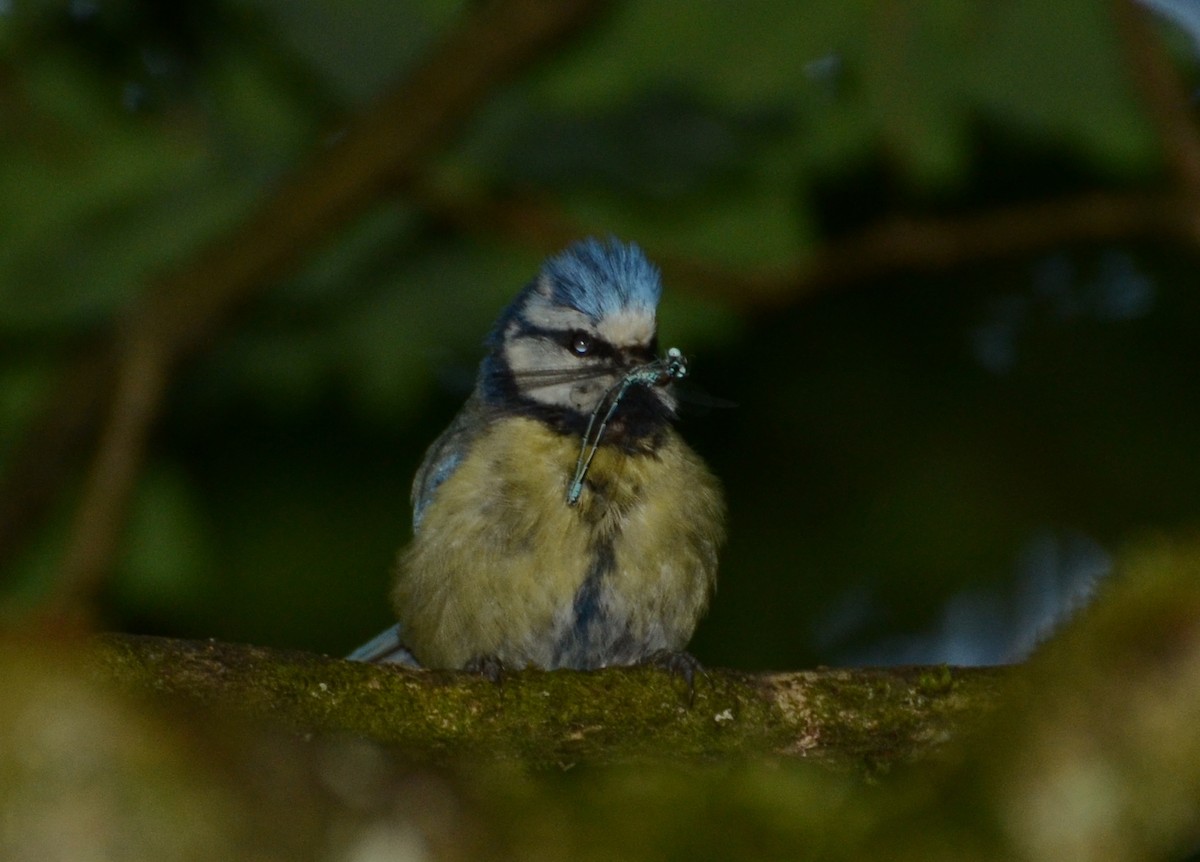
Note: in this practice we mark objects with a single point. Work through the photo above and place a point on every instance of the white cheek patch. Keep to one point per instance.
(524, 355)
(534, 361)
(627, 329)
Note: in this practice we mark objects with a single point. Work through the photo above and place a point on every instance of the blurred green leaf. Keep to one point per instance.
(168, 555)
(1066, 83)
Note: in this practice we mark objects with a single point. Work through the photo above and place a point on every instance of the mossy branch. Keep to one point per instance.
(1088, 751)
(540, 718)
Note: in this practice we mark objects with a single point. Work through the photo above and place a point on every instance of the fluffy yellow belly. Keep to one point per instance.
(501, 566)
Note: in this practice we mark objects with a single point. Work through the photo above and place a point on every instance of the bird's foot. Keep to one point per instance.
(486, 665)
(678, 663)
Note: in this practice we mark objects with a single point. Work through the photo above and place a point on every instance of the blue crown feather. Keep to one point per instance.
(600, 279)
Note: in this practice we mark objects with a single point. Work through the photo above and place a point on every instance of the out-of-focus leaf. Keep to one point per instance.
(1064, 83)
(357, 53)
(22, 386)
(167, 555)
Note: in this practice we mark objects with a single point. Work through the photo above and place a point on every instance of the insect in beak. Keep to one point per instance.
(660, 372)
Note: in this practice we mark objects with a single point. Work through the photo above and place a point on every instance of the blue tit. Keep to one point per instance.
(561, 521)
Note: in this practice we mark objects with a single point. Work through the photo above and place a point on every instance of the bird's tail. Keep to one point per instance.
(385, 647)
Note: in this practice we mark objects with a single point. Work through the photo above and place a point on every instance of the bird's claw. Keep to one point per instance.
(488, 666)
(677, 663)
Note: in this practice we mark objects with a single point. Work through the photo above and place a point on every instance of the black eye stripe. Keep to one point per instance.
(596, 346)
(567, 338)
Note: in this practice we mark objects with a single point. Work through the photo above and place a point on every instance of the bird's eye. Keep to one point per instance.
(581, 343)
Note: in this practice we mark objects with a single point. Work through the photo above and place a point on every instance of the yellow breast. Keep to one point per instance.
(499, 562)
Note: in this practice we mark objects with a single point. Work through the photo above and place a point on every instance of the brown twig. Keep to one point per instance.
(938, 244)
(896, 245)
(50, 452)
(180, 312)
(112, 478)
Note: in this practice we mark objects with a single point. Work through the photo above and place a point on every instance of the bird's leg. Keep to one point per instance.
(488, 666)
(678, 663)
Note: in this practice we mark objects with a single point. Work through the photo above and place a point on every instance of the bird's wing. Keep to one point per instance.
(445, 454)
(441, 460)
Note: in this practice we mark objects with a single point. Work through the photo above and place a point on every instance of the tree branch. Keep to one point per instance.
(899, 244)
(110, 484)
(1088, 751)
(867, 717)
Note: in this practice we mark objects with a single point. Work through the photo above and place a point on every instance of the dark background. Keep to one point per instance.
(941, 256)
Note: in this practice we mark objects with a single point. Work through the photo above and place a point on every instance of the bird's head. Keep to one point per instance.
(574, 334)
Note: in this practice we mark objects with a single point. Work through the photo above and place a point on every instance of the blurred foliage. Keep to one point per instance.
(896, 444)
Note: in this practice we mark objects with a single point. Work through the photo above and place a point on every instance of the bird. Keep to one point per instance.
(561, 521)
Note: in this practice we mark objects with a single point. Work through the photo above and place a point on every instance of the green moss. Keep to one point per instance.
(936, 680)
(541, 719)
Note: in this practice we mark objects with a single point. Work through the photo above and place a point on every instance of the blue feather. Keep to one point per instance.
(601, 279)
(439, 472)
(387, 647)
